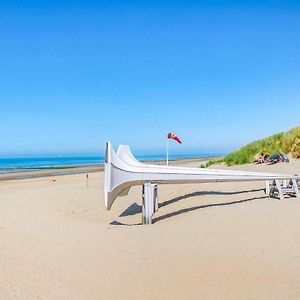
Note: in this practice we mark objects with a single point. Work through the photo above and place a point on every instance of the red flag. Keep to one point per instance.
(174, 137)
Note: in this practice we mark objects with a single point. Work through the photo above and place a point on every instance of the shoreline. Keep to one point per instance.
(19, 174)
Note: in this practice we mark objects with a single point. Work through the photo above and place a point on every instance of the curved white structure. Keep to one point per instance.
(122, 171)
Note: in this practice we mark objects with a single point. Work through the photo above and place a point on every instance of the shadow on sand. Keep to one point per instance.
(123, 224)
(131, 210)
(134, 208)
(203, 193)
(186, 210)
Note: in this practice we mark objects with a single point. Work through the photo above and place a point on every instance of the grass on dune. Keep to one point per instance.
(288, 142)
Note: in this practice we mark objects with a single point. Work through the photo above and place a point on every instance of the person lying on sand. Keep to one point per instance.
(278, 157)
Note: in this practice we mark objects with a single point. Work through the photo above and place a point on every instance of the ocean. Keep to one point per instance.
(16, 164)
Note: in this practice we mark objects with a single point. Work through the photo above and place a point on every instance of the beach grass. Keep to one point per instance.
(288, 142)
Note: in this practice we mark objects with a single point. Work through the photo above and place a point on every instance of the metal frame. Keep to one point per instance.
(278, 190)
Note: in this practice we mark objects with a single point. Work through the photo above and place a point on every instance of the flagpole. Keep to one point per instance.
(167, 151)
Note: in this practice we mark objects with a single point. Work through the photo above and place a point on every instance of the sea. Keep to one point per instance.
(17, 164)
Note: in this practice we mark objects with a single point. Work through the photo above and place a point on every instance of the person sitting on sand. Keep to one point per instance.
(261, 158)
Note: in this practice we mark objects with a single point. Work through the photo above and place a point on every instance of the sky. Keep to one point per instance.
(75, 74)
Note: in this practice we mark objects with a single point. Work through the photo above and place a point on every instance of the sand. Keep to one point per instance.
(209, 241)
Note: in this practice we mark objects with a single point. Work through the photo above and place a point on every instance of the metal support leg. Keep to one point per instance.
(155, 198)
(295, 186)
(268, 187)
(148, 202)
(278, 186)
(284, 183)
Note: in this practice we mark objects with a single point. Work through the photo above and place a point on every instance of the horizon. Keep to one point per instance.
(97, 155)
(219, 74)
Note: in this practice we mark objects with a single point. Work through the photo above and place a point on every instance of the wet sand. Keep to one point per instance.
(59, 171)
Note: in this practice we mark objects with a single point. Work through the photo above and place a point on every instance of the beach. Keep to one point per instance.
(208, 241)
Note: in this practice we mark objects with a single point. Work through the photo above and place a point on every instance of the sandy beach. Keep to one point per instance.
(209, 241)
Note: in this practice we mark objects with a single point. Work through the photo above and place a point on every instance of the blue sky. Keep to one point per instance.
(76, 74)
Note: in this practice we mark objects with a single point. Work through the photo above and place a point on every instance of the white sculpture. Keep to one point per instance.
(122, 171)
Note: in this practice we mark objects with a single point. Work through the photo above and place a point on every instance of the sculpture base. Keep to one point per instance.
(150, 202)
